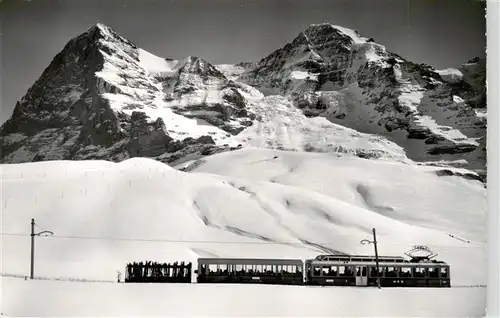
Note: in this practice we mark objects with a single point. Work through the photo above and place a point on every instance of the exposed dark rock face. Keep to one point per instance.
(68, 114)
(470, 176)
(355, 82)
(98, 100)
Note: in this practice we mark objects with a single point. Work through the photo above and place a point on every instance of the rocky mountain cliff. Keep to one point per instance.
(335, 73)
(92, 102)
(332, 90)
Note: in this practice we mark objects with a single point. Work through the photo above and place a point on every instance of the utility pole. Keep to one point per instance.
(376, 257)
(374, 242)
(32, 267)
(33, 234)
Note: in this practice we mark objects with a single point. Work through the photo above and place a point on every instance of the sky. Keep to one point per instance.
(442, 33)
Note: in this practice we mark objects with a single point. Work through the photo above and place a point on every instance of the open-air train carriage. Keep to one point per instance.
(240, 270)
(350, 273)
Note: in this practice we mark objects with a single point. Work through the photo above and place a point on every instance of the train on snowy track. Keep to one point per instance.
(324, 270)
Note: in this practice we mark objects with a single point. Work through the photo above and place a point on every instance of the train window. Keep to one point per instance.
(419, 272)
(390, 272)
(341, 270)
(345, 271)
(239, 267)
(333, 270)
(404, 272)
(299, 269)
(280, 268)
(223, 268)
(348, 271)
(259, 269)
(444, 272)
(351, 270)
(212, 268)
(373, 271)
(325, 271)
(433, 272)
(317, 271)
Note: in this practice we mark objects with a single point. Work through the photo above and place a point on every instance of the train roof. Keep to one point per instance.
(351, 257)
(257, 261)
(381, 263)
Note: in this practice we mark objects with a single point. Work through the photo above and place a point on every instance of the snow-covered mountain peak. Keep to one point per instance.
(104, 97)
(104, 28)
(104, 32)
(317, 55)
(334, 30)
(335, 72)
(199, 66)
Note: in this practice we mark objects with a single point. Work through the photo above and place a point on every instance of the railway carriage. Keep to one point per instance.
(362, 271)
(256, 271)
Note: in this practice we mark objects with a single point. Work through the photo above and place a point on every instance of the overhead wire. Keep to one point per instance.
(159, 240)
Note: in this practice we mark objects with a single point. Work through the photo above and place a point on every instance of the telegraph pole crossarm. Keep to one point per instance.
(374, 242)
(33, 234)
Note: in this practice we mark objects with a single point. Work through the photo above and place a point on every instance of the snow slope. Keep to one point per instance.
(64, 299)
(106, 214)
(393, 189)
(280, 125)
(450, 75)
(141, 198)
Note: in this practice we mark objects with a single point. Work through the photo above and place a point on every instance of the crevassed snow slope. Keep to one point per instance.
(141, 209)
(280, 125)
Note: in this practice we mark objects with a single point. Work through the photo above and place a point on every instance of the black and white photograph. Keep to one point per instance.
(248, 158)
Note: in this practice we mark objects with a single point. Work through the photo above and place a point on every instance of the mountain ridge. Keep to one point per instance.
(105, 98)
(397, 90)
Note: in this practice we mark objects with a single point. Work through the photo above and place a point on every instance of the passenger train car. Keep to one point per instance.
(327, 270)
(241, 270)
(362, 271)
